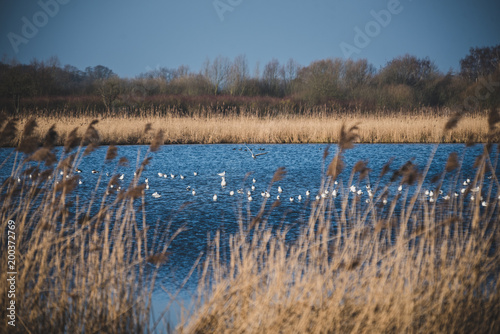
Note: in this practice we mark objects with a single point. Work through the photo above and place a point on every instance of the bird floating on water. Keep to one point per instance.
(156, 195)
(122, 176)
(223, 183)
(254, 155)
(280, 190)
(160, 174)
(94, 171)
(231, 193)
(195, 173)
(214, 197)
(222, 174)
(308, 192)
(78, 170)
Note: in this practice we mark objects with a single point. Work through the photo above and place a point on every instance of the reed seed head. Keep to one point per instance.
(452, 162)
(347, 137)
(279, 174)
(387, 167)
(9, 131)
(50, 138)
(111, 153)
(157, 141)
(72, 140)
(45, 155)
(90, 148)
(91, 134)
(123, 162)
(452, 122)
(493, 119)
(336, 166)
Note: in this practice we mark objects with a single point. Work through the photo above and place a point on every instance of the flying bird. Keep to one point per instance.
(254, 155)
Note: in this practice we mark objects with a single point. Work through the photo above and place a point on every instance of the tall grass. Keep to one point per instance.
(405, 262)
(318, 128)
(84, 263)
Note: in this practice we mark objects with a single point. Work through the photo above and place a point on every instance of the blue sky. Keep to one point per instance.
(131, 37)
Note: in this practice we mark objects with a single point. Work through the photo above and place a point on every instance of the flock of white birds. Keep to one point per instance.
(250, 193)
(430, 195)
(474, 192)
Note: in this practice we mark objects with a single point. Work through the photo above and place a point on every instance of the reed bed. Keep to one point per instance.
(382, 128)
(400, 263)
(82, 264)
(428, 267)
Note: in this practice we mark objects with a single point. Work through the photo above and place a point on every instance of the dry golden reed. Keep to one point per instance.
(84, 265)
(398, 263)
(400, 128)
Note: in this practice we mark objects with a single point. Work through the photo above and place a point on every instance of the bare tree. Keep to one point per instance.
(238, 75)
(357, 73)
(109, 89)
(320, 80)
(289, 73)
(217, 72)
(271, 77)
(408, 70)
(480, 62)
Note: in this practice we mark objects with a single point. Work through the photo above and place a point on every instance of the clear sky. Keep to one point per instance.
(132, 37)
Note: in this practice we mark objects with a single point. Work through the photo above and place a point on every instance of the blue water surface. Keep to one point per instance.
(202, 216)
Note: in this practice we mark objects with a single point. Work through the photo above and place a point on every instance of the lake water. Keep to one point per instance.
(202, 216)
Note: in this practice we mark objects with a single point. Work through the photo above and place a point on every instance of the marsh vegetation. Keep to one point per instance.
(401, 262)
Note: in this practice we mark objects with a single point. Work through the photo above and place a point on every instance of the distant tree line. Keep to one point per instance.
(405, 82)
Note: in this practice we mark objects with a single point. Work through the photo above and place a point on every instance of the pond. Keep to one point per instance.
(182, 181)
